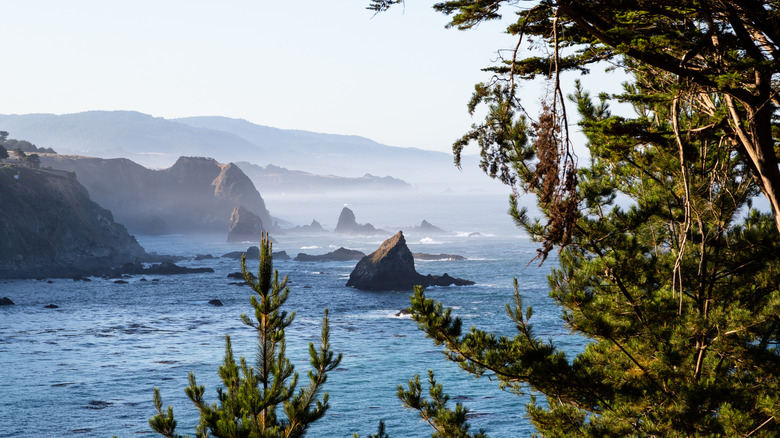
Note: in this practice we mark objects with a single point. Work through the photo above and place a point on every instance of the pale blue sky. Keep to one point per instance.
(399, 77)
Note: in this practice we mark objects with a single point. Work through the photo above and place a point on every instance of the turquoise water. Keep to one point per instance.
(88, 368)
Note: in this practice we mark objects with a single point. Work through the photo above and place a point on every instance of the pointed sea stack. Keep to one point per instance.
(391, 267)
(348, 225)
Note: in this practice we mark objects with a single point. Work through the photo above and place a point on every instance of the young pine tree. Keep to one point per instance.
(260, 400)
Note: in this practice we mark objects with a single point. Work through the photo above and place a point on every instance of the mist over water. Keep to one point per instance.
(88, 368)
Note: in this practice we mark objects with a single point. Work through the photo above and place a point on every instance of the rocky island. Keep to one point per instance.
(391, 267)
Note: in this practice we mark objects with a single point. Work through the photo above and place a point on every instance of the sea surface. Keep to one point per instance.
(88, 367)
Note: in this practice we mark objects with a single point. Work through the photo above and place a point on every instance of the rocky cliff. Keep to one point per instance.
(391, 267)
(193, 195)
(49, 227)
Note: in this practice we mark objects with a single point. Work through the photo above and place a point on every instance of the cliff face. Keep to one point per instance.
(49, 227)
(193, 195)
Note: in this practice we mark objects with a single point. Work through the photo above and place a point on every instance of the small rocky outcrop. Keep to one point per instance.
(340, 255)
(391, 267)
(5, 301)
(165, 268)
(244, 226)
(215, 302)
(314, 227)
(347, 224)
(426, 228)
(253, 253)
(437, 257)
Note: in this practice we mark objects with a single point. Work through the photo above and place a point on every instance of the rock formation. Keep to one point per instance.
(49, 227)
(314, 227)
(348, 225)
(427, 227)
(194, 195)
(253, 252)
(340, 255)
(244, 226)
(391, 267)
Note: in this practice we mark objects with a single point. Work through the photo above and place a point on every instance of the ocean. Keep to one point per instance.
(88, 367)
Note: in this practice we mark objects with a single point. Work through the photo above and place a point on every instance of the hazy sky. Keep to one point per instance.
(399, 78)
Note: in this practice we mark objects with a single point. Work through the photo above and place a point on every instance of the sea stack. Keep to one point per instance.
(391, 267)
(348, 225)
(244, 226)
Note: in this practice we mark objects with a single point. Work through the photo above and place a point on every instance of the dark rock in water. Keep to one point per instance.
(215, 302)
(244, 226)
(51, 306)
(437, 257)
(391, 267)
(199, 257)
(80, 278)
(348, 225)
(164, 268)
(315, 227)
(340, 255)
(236, 275)
(5, 301)
(280, 255)
(404, 312)
(253, 253)
(121, 282)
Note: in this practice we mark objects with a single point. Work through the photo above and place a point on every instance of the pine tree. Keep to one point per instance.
(260, 400)
(677, 293)
(729, 47)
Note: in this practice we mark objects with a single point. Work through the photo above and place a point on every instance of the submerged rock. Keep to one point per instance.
(391, 267)
(5, 301)
(215, 302)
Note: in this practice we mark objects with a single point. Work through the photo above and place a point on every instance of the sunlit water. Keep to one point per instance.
(88, 368)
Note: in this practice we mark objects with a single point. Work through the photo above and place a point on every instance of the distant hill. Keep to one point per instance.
(157, 143)
(273, 179)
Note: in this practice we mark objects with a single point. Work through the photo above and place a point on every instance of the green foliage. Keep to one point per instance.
(728, 50)
(254, 397)
(3, 153)
(677, 288)
(445, 421)
(677, 292)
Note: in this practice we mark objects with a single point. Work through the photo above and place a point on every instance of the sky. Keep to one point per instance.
(399, 78)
